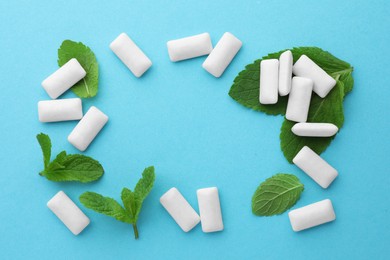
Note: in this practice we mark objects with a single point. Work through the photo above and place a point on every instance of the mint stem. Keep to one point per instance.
(135, 230)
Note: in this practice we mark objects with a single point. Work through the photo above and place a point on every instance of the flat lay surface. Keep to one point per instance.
(180, 119)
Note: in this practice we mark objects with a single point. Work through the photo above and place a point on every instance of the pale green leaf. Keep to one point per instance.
(45, 143)
(130, 203)
(104, 205)
(276, 195)
(145, 184)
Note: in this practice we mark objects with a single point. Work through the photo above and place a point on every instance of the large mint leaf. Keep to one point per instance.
(74, 167)
(88, 86)
(329, 110)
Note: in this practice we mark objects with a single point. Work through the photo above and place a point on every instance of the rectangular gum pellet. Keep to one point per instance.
(131, 55)
(269, 77)
(88, 128)
(312, 215)
(68, 212)
(323, 83)
(316, 167)
(210, 209)
(285, 72)
(179, 209)
(314, 129)
(222, 54)
(60, 110)
(299, 99)
(189, 47)
(64, 78)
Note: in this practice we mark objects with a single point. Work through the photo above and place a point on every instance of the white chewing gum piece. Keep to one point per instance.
(210, 209)
(316, 167)
(323, 83)
(68, 212)
(131, 55)
(60, 110)
(88, 128)
(189, 47)
(299, 99)
(64, 78)
(179, 209)
(315, 129)
(222, 54)
(285, 72)
(312, 215)
(269, 77)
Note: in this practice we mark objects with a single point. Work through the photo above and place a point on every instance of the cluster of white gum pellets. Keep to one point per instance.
(276, 78)
(57, 110)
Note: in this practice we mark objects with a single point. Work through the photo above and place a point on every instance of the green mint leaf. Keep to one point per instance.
(74, 167)
(276, 195)
(88, 86)
(132, 201)
(45, 143)
(246, 90)
(347, 80)
(329, 110)
(145, 184)
(104, 205)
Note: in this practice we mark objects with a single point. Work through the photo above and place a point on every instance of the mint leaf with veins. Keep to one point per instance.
(88, 86)
(276, 195)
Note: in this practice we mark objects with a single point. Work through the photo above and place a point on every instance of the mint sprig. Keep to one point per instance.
(132, 201)
(245, 90)
(276, 195)
(68, 167)
(88, 86)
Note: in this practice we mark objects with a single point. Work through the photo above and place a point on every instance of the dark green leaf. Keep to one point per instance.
(104, 205)
(276, 195)
(329, 110)
(88, 86)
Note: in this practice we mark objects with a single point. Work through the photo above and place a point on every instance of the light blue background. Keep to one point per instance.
(180, 119)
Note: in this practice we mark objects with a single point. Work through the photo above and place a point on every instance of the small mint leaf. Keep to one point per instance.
(104, 205)
(276, 195)
(45, 143)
